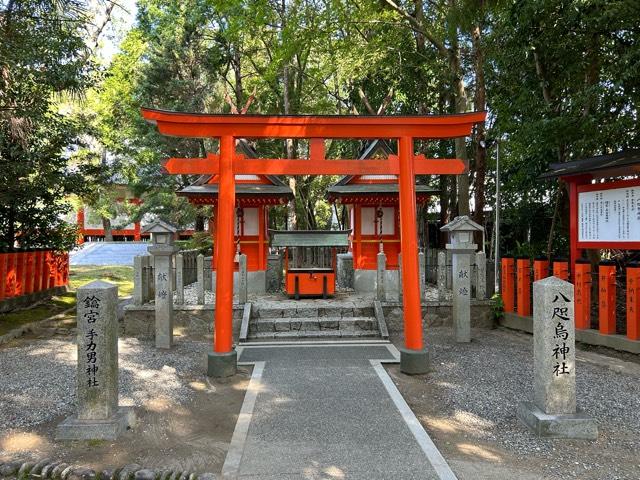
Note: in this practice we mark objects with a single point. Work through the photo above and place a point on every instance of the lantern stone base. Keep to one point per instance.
(414, 362)
(110, 429)
(220, 365)
(574, 425)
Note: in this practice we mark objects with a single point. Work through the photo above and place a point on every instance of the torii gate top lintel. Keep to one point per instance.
(316, 128)
(198, 125)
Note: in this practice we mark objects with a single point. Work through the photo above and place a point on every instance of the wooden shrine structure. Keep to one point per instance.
(229, 162)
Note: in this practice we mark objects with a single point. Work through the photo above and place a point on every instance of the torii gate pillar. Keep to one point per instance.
(222, 362)
(414, 358)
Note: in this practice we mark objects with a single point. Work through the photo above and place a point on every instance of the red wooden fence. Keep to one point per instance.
(24, 273)
(516, 277)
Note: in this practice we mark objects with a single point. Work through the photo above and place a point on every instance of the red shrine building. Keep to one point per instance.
(373, 205)
(255, 195)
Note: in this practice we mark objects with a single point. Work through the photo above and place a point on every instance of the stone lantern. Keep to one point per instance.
(162, 250)
(461, 245)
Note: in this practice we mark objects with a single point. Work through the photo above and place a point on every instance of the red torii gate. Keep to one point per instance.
(226, 164)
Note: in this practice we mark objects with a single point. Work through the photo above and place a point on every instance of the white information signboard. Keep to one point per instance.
(609, 215)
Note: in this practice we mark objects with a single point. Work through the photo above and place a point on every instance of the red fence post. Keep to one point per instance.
(48, 271)
(524, 287)
(582, 289)
(507, 281)
(29, 265)
(561, 269)
(20, 273)
(65, 269)
(540, 269)
(633, 298)
(10, 277)
(607, 297)
(37, 271)
(3, 275)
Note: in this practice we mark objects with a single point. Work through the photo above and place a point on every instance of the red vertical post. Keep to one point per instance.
(80, 224)
(523, 287)
(223, 335)
(37, 271)
(409, 247)
(136, 232)
(3, 275)
(20, 277)
(10, 277)
(561, 269)
(507, 283)
(574, 252)
(582, 289)
(607, 297)
(29, 271)
(48, 270)
(540, 268)
(633, 300)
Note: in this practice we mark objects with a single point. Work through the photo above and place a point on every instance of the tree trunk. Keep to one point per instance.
(199, 222)
(480, 146)
(460, 107)
(106, 225)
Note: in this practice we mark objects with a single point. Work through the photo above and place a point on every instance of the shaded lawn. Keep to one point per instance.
(78, 276)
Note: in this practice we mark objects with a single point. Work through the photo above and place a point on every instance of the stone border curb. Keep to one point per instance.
(56, 470)
(27, 327)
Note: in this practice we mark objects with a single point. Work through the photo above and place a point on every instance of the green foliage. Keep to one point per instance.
(200, 241)
(497, 307)
(42, 57)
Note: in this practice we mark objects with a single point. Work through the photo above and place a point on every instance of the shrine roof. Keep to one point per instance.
(618, 164)
(375, 188)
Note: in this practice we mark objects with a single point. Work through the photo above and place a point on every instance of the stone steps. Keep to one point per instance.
(313, 327)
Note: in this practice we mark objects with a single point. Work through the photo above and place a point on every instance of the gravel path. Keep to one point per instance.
(37, 378)
(474, 390)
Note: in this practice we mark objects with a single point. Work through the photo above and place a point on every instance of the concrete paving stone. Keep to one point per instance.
(289, 356)
(330, 311)
(366, 323)
(263, 335)
(296, 323)
(320, 333)
(347, 312)
(282, 325)
(287, 334)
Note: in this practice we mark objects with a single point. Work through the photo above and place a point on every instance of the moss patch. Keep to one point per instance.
(120, 275)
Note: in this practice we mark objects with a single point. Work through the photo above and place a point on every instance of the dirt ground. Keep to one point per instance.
(171, 433)
(467, 404)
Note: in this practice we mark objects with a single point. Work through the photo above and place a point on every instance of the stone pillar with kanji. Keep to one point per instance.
(99, 416)
(553, 412)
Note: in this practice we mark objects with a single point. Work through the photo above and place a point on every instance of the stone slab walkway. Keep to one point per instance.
(108, 253)
(322, 411)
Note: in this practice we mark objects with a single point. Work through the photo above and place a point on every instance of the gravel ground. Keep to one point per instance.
(474, 389)
(37, 377)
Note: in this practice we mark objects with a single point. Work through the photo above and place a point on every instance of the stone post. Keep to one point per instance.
(380, 273)
(162, 255)
(553, 412)
(179, 279)
(442, 276)
(242, 278)
(146, 287)
(462, 296)
(274, 273)
(421, 278)
(200, 283)
(345, 270)
(98, 416)
(137, 280)
(481, 276)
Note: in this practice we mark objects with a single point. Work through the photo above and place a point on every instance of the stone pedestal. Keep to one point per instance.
(553, 412)
(137, 297)
(421, 277)
(381, 259)
(98, 416)
(461, 295)
(414, 362)
(162, 255)
(242, 279)
(220, 365)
